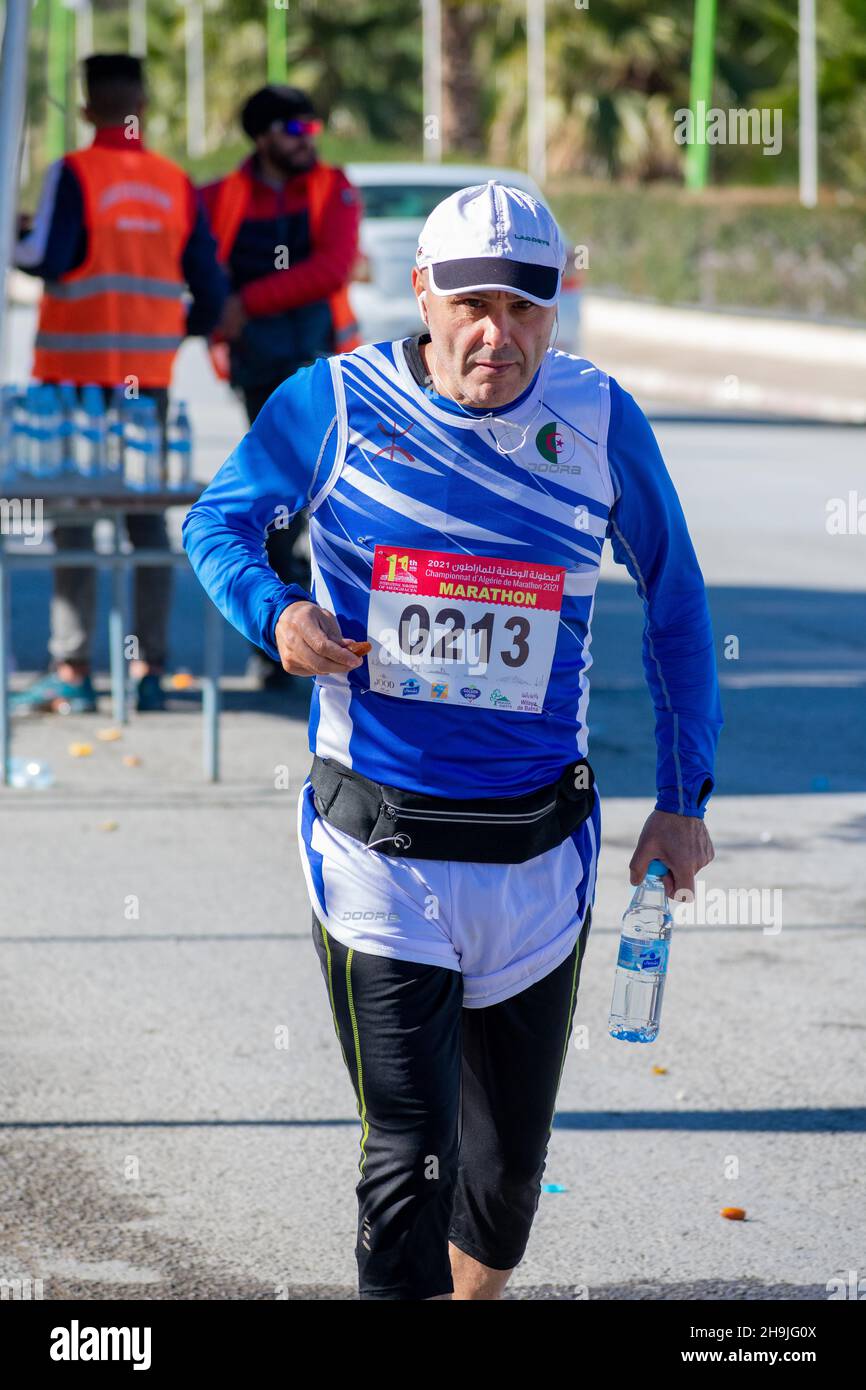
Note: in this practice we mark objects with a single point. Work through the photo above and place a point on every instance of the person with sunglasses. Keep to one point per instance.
(286, 226)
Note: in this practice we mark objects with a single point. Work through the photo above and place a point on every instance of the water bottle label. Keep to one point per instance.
(646, 957)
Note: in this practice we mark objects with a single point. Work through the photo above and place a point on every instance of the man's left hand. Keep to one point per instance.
(234, 318)
(681, 842)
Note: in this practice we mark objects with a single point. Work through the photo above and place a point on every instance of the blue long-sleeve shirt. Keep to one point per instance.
(373, 461)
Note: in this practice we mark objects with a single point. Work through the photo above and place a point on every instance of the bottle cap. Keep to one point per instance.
(657, 868)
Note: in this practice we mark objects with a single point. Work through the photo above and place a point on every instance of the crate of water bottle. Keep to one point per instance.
(88, 436)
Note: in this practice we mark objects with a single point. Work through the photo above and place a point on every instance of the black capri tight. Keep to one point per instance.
(456, 1109)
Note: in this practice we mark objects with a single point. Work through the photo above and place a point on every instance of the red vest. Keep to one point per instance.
(121, 312)
(229, 210)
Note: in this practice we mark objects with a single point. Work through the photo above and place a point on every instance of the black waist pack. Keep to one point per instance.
(485, 830)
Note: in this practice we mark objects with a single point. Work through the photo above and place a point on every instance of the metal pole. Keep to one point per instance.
(5, 641)
(195, 117)
(116, 627)
(431, 34)
(13, 87)
(536, 124)
(138, 28)
(59, 28)
(808, 106)
(210, 690)
(278, 70)
(83, 49)
(701, 98)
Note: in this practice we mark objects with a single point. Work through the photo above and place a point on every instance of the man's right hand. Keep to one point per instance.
(310, 643)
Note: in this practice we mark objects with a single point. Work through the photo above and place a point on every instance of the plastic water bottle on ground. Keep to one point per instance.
(29, 773)
(179, 468)
(641, 967)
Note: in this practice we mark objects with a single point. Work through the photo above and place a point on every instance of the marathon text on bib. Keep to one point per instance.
(463, 629)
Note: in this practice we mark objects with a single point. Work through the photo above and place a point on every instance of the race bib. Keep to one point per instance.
(463, 629)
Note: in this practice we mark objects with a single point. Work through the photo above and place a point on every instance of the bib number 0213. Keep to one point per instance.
(458, 629)
(444, 636)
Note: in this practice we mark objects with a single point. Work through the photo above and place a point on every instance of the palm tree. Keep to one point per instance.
(462, 104)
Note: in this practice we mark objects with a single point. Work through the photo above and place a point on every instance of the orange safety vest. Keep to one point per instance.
(121, 312)
(230, 208)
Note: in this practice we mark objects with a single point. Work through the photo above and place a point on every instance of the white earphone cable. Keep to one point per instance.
(509, 424)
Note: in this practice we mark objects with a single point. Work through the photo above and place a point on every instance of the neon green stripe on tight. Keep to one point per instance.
(362, 1109)
(567, 1028)
(326, 939)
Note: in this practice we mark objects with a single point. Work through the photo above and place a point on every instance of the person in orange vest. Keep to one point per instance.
(119, 236)
(286, 226)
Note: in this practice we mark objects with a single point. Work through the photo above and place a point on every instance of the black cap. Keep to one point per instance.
(112, 67)
(274, 103)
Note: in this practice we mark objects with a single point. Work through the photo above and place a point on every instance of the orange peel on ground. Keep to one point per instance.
(734, 1213)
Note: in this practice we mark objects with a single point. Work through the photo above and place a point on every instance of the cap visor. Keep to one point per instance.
(538, 283)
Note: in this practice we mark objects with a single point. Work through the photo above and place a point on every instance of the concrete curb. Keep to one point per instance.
(783, 339)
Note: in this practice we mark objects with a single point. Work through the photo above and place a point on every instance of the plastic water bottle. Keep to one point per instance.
(20, 443)
(33, 427)
(115, 433)
(180, 450)
(143, 445)
(28, 772)
(8, 395)
(641, 967)
(132, 452)
(152, 445)
(90, 454)
(68, 398)
(52, 418)
(36, 407)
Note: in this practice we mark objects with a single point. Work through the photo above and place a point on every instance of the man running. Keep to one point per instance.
(460, 485)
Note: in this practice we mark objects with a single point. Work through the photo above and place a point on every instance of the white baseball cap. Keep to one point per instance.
(493, 236)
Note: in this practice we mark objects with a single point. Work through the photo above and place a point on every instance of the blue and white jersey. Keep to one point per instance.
(420, 525)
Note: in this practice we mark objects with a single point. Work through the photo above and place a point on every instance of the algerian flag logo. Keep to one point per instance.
(555, 442)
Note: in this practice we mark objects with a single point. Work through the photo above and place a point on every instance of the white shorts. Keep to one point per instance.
(504, 926)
